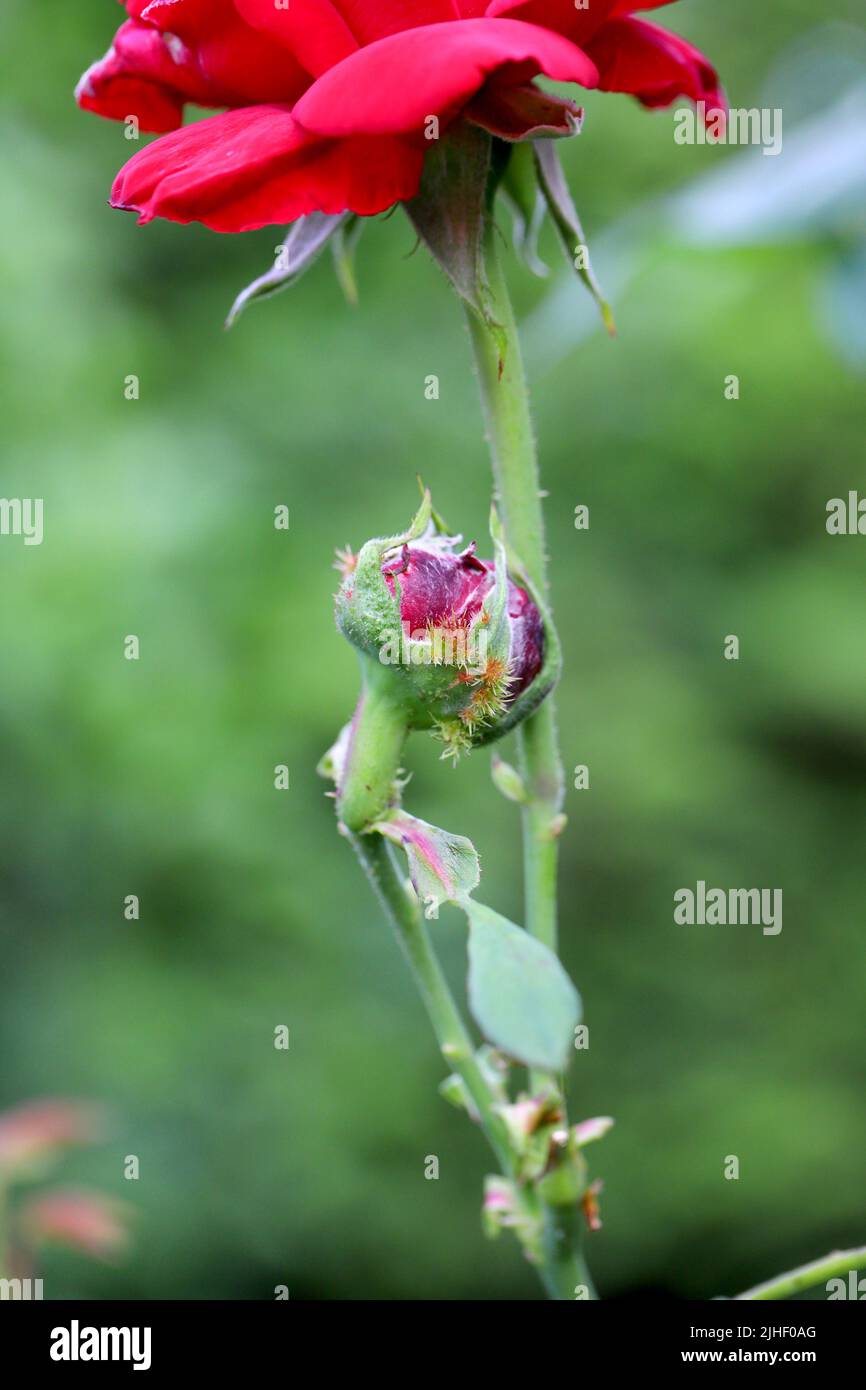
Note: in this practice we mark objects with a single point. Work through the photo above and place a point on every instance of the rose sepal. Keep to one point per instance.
(529, 699)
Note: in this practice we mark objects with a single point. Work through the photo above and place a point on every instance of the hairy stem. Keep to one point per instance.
(505, 400)
(454, 1041)
(834, 1266)
(376, 738)
(568, 1276)
(557, 1260)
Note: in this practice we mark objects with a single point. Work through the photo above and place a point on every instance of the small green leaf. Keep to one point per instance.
(520, 996)
(442, 867)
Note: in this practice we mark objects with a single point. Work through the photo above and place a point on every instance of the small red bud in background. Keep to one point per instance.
(39, 1129)
(84, 1221)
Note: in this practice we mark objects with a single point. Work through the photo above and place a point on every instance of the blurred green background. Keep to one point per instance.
(305, 1168)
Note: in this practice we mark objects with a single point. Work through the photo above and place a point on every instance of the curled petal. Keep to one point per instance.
(655, 66)
(393, 86)
(152, 70)
(241, 64)
(143, 74)
(632, 56)
(255, 167)
(524, 112)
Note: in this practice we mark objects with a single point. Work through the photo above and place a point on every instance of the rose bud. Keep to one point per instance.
(449, 643)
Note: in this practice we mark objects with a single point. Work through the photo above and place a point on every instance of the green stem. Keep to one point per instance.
(5, 1254)
(561, 1269)
(455, 1043)
(568, 1274)
(505, 400)
(551, 1234)
(542, 774)
(833, 1266)
(379, 728)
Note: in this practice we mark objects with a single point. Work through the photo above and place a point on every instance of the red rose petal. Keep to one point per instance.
(655, 66)
(392, 86)
(253, 167)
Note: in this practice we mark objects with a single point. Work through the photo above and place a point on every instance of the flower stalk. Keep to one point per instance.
(454, 1041)
(837, 1265)
(519, 994)
(549, 1233)
(505, 402)
(377, 734)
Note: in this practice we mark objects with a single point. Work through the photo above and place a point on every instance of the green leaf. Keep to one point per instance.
(442, 867)
(520, 996)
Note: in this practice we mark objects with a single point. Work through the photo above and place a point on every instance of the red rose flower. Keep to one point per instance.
(329, 100)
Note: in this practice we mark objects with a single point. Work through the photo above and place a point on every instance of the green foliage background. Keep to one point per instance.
(707, 517)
